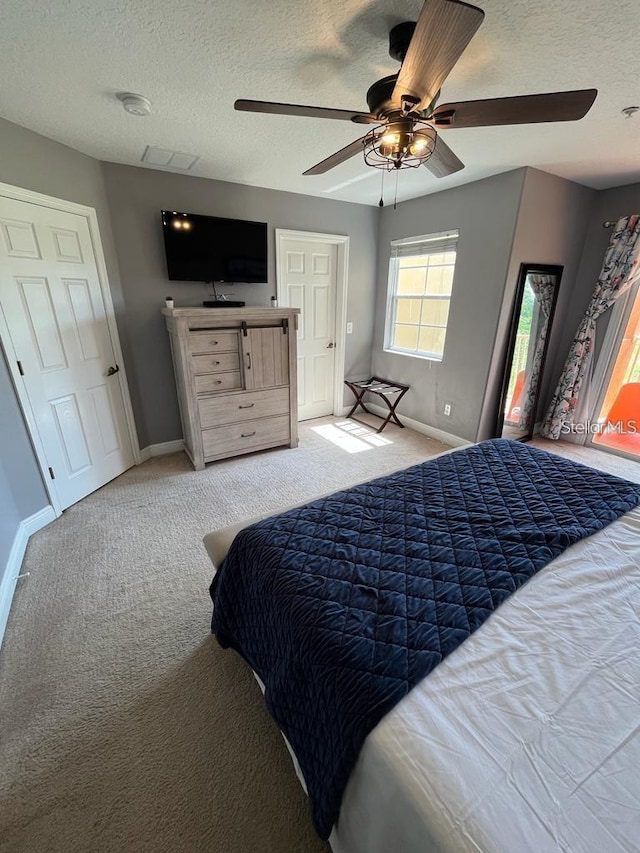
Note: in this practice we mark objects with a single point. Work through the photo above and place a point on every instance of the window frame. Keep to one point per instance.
(421, 248)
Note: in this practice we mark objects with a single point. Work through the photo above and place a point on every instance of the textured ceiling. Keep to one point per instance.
(61, 63)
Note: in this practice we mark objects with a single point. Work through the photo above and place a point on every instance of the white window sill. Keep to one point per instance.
(437, 359)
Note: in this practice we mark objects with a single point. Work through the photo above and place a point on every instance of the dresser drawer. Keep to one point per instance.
(212, 341)
(208, 382)
(238, 408)
(232, 439)
(220, 362)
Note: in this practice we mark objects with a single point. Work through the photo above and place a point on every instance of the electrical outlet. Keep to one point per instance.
(447, 410)
(349, 328)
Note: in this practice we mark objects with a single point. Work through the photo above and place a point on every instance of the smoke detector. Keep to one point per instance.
(136, 105)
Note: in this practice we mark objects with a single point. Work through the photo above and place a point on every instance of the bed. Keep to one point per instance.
(525, 736)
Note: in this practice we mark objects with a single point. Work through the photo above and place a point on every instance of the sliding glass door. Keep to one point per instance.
(616, 418)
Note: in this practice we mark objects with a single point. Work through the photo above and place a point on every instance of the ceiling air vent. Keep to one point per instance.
(169, 159)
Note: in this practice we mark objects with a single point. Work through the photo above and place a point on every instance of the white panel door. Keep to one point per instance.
(51, 298)
(308, 273)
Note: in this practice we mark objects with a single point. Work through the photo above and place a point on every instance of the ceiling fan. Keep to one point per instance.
(403, 107)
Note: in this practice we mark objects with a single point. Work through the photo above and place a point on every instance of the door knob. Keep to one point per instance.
(330, 345)
(113, 370)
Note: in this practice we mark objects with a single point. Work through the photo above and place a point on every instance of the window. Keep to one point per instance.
(420, 281)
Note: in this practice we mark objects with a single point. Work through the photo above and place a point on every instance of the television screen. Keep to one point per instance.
(208, 248)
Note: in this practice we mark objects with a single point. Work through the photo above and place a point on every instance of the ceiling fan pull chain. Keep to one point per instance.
(381, 202)
(395, 200)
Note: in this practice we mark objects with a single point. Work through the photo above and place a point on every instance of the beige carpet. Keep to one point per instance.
(123, 725)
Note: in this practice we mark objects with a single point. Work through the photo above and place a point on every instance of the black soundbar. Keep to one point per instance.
(223, 303)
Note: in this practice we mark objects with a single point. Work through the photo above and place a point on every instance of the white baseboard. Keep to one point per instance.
(163, 449)
(425, 429)
(12, 568)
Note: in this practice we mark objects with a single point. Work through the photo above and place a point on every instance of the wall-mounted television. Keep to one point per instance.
(209, 248)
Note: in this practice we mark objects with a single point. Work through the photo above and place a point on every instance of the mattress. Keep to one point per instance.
(342, 606)
(525, 738)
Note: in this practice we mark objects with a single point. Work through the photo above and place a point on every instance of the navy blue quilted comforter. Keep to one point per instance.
(343, 605)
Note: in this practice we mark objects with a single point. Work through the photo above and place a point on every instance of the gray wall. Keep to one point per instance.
(137, 195)
(21, 490)
(550, 229)
(36, 163)
(607, 205)
(485, 214)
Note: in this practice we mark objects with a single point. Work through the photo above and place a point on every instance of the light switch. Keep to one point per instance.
(349, 328)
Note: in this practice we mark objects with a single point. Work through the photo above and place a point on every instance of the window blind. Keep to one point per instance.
(446, 241)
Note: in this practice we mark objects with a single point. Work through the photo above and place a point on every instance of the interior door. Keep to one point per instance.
(309, 282)
(51, 298)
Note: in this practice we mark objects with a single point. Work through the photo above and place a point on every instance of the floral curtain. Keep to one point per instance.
(619, 272)
(543, 287)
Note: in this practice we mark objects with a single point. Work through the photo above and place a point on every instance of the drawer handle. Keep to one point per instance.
(216, 362)
(247, 434)
(218, 382)
(250, 406)
(214, 343)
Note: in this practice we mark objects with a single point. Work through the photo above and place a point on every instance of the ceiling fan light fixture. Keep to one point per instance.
(404, 106)
(389, 138)
(419, 144)
(399, 145)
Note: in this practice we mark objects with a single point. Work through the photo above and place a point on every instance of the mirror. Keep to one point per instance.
(534, 306)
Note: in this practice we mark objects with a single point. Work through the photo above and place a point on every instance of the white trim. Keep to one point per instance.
(13, 565)
(341, 241)
(89, 213)
(39, 520)
(433, 432)
(162, 449)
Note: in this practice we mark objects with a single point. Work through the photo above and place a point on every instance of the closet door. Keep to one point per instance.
(51, 297)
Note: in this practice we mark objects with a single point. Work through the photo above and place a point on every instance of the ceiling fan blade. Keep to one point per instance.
(300, 110)
(522, 109)
(443, 30)
(339, 157)
(443, 161)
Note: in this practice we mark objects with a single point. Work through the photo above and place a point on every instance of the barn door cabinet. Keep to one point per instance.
(236, 379)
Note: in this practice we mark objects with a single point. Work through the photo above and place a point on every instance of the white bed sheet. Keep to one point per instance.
(527, 737)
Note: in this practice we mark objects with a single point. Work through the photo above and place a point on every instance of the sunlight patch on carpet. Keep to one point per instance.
(351, 437)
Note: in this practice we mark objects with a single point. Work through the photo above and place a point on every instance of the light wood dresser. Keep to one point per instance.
(235, 372)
